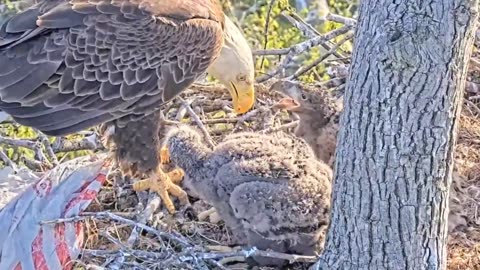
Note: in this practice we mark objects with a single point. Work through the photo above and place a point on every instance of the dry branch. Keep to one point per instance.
(189, 253)
(199, 123)
(19, 142)
(8, 161)
(64, 145)
(317, 62)
(309, 31)
(48, 148)
(302, 47)
(340, 19)
(180, 240)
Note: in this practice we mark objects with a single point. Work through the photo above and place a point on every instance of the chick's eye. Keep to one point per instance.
(304, 97)
(241, 77)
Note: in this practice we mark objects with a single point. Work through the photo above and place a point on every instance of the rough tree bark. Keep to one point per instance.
(395, 149)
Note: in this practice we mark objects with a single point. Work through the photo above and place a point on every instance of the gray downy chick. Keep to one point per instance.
(270, 190)
(319, 114)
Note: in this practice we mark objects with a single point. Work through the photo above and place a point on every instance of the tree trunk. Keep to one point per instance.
(395, 149)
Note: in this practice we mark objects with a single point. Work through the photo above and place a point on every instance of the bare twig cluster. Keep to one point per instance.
(168, 255)
(44, 151)
(314, 40)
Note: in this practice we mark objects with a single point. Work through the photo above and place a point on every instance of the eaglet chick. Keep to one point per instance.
(269, 189)
(319, 114)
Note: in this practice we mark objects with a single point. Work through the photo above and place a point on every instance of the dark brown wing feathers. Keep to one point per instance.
(67, 66)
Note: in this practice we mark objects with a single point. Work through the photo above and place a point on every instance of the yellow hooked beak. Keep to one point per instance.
(243, 97)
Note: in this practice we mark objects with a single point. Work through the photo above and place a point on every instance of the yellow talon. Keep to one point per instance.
(141, 185)
(161, 183)
(176, 175)
(164, 156)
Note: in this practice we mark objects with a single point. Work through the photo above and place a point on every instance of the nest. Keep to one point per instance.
(118, 244)
(109, 242)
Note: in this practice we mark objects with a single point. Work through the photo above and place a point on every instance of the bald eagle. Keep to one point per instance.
(71, 65)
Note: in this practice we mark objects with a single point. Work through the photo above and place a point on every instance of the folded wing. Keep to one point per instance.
(66, 66)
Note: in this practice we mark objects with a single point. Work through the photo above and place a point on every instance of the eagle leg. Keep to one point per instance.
(164, 155)
(212, 215)
(163, 183)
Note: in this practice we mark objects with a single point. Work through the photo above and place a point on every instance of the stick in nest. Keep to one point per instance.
(107, 215)
(302, 47)
(199, 122)
(189, 253)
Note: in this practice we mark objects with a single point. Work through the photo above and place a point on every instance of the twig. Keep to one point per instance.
(107, 215)
(272, 52)
(219, 265)
(8, 161)
(265, 30)
(309, 31)
(335, 82)
(131, 252)
(40, 155)
(152, 204)
(63, 145)
(190, 255)
(182, 111)
(32, 145)
(303, 46)
(298, 22)
(221, 120)
(31, 164)
(282, 127)
(256, 252)
(48, 147)
(249, 115)
(199, 123)
(472, 106)
(305, 69)
(340, 19)
(475, 63)
(18, 142)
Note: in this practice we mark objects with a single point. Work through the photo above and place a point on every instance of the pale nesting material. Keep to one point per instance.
(63, 192)
(12, 184)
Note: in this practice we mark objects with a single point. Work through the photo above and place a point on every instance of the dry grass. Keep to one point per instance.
(464, 219)
(464, 258)
(464, 240)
